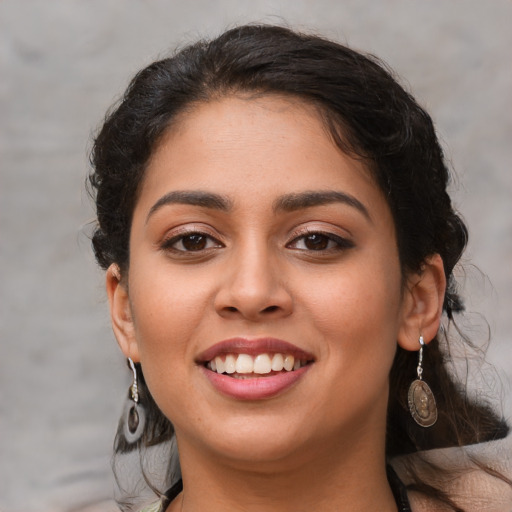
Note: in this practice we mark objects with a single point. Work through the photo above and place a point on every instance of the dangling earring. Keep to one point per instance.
(134, 414)
(422, 403)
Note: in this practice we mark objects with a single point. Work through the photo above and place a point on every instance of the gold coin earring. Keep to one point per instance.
(134, 414)
(422, 403)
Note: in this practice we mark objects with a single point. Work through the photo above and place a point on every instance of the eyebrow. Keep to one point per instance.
(194, 198)
(286, 203)
(309, 199)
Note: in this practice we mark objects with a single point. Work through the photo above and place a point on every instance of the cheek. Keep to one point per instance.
(167, 311)
(356, 296)
(358, 312)
(167, 319)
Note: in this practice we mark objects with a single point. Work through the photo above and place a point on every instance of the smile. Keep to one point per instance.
(254, 369)
(243, 366)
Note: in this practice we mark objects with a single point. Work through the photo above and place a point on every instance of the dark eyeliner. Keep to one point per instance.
(167, 244)
(341, 242)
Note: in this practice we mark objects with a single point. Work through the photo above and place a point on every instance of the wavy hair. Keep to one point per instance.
(370, 116)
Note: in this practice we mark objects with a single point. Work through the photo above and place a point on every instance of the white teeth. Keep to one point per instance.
(219, 363)
(262, 364)
(244, 364)
(278, 362)
(229, 364)
(239, 364)
(289, 361)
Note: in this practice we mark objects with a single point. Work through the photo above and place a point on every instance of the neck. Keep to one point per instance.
(350, 478)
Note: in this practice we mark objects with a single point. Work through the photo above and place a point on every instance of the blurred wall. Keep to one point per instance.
(62, 63)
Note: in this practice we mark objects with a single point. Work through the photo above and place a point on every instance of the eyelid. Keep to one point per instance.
(175, 234)
(343, 242)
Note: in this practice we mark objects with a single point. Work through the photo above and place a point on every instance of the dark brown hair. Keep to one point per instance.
(371, 117)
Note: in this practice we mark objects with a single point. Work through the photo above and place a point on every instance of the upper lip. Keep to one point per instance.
(253, 347)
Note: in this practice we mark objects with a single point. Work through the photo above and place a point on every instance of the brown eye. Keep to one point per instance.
(195, 242)
(191, 242)
(316, 242)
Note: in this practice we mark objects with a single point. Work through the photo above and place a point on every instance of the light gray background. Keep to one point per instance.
(62, 63)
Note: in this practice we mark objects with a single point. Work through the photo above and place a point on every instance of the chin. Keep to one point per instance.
(258, 453)
(254, 440)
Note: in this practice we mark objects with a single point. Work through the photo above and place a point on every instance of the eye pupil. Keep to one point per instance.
(194, 242)
(316, 242)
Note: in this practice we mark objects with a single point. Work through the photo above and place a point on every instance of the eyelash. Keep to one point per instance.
(339, 242)
(180, 238)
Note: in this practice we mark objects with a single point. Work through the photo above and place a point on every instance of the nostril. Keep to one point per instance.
(270, 309)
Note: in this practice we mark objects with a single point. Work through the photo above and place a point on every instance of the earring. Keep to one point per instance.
(422, 403)
(134, 414)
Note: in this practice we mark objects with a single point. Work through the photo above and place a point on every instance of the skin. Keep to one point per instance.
(320, 444)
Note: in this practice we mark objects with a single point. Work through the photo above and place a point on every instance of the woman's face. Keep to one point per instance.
(255, 240)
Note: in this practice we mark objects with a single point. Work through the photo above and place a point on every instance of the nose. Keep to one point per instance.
(253, 288)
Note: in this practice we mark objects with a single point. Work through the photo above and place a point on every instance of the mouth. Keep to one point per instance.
(253, 369)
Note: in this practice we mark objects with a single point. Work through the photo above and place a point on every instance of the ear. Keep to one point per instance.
(423, 304)
(120, 313)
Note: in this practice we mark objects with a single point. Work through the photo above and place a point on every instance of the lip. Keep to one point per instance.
(254, 388)
(253, 347)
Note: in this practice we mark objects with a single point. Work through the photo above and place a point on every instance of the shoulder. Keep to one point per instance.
(477, 477)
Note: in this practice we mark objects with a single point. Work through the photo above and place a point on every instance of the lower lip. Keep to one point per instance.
(254, 388)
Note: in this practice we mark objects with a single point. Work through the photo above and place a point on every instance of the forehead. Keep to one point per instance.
(273, 119)
(254, 138)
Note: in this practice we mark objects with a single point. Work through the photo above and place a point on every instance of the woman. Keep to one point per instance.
(279, 247)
